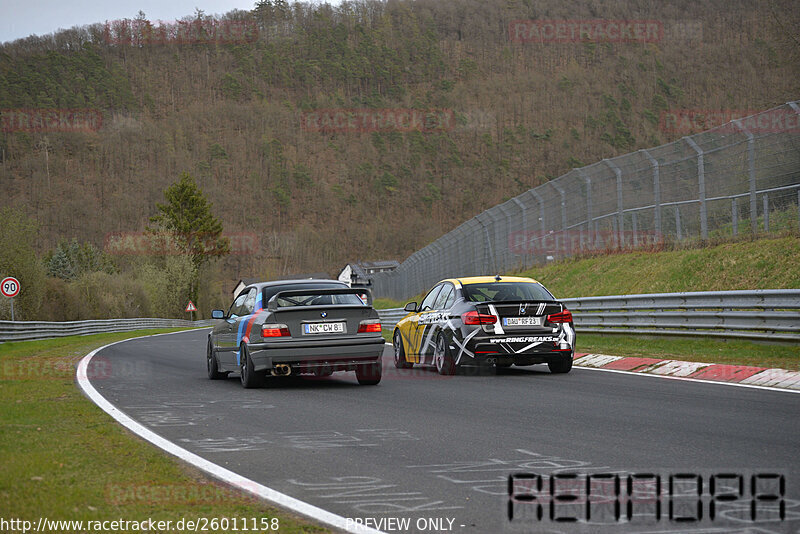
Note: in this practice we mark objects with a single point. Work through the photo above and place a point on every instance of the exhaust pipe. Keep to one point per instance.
(282, 369)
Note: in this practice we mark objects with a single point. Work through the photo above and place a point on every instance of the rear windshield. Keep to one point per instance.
(311, 299)
(506, 291)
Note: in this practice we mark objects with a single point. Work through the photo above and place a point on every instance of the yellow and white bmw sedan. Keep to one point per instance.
(486, 321)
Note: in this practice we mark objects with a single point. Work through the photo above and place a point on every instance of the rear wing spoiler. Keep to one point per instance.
(272, 304)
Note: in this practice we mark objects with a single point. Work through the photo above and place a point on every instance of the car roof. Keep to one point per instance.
(273, 283)
(488, 279)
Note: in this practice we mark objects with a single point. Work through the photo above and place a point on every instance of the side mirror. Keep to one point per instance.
(411, 307)
(217, 314)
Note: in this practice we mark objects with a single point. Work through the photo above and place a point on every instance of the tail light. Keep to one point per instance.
(473, 317)
(562, 317)
(370, 325)
(275, 330)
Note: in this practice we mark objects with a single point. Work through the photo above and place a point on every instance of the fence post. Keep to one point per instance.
(701, 185)
(656, 190)
(751, 172)
(589, 216)
(620, 212)
(487, 252)
(524, 209)
(541, 216)
(563, 213)
(678, 222)
(766, 212)
(734, 218)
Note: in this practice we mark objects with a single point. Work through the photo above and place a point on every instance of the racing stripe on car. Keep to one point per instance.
(463, 348)
(498, 327)
(248, 325)
(257, 312)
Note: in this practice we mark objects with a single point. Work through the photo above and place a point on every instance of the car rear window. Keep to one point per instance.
(311, 299)
(506, 291)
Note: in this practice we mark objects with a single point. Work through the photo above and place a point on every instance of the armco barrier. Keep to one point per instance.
(767, 314)
(30, 330)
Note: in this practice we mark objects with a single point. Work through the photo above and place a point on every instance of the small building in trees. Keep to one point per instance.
(243, 283)
(358, 274)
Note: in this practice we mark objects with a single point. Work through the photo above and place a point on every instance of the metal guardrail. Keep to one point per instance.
(769, 314)
(31, 330)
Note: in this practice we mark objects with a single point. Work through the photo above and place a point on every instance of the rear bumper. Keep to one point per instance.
(343, 354)
(521, 360)
(520, 350)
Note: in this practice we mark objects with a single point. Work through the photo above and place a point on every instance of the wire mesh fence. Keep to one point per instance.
(742, 177)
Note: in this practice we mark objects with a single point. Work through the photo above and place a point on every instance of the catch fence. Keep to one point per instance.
(742, 177)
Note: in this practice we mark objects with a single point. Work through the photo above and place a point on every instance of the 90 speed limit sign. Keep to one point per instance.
(9, 287)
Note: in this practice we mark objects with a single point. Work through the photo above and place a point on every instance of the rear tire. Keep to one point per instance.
(560, 366)
(400, 352)
(369, 375)
(212, 364)
(442, 357)
(250, 378)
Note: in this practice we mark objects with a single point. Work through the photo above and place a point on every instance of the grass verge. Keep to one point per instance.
(767, 263)
(65, 459)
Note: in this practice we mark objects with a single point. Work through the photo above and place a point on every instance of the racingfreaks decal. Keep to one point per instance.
(433, 318)
(525, 339)
(531, 342)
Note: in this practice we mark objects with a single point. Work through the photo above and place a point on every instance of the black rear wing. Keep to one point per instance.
(272, 304)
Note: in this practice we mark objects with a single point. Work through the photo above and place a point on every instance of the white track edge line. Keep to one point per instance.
(217, 471)
(684, 378)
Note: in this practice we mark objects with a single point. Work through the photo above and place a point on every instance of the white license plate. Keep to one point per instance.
(522, 321)
(324, 328)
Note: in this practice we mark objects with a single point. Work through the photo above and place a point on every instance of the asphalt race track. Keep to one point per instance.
(438, 451)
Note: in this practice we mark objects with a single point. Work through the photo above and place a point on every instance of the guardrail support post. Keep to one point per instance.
(751, 172)
(656, 190)
(701, 186)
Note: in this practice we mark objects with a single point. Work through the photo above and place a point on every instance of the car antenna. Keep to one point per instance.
(497, 278)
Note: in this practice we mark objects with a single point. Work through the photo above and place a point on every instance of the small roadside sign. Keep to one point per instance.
(10, 287)
(191, 308)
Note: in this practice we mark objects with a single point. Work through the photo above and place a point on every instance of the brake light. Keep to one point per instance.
(275, 330)
(370, 325)
(473, 317)
(562, 317)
